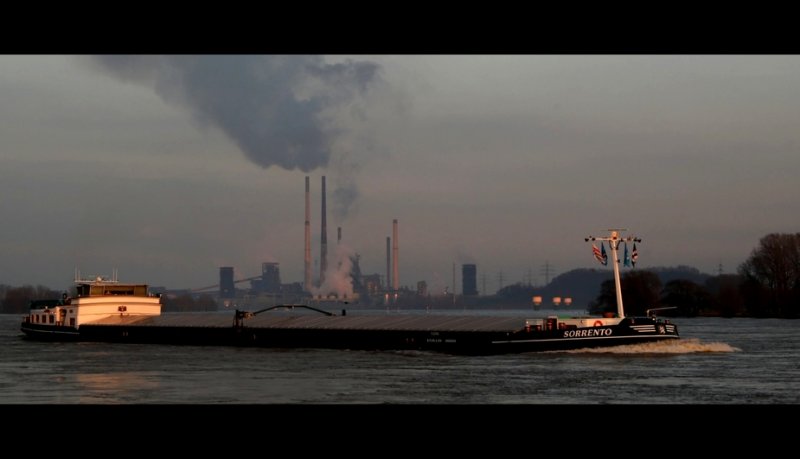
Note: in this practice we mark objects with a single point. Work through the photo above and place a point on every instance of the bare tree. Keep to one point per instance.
(17, 299)
(773, 271)
(688, 297)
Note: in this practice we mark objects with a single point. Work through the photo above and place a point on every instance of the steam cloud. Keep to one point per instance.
(344, 196)
(338, 280)
(280, 110)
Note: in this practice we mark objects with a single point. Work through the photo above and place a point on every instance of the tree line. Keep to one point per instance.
(767, 284)
(17, 300)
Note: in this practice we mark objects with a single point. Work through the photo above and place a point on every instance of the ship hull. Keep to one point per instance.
(470, 336)
(45, 332)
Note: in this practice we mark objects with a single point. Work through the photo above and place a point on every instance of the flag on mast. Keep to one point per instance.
(634, 255)
(626, 260)
(597, 254)
(603, 252)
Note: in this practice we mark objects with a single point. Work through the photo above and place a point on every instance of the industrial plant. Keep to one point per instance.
(340, 282)
(339, 279)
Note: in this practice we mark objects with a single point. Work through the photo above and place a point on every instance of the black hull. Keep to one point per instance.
(473, 342)
(44, 332)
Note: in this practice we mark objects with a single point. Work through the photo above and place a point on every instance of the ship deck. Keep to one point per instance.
(441, 323)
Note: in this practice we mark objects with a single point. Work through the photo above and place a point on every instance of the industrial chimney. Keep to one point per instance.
(323, 238)
(307, 256)
(388, 263)
(395, 274)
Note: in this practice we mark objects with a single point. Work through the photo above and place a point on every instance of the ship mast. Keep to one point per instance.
(614, 240)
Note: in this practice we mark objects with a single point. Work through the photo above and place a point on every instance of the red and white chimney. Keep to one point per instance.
(323, 238)
(395, 274)
(307, 256)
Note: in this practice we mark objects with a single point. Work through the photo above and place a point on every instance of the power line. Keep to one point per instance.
(546, 270)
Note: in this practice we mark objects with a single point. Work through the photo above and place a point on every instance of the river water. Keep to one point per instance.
(717, 361)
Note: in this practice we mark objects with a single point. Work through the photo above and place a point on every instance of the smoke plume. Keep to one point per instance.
(345, 194)
(283, 111)
(338, 278)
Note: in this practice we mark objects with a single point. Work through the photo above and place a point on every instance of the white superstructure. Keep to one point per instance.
(95, 299)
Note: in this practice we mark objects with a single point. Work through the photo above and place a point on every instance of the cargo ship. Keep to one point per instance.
(110, 311)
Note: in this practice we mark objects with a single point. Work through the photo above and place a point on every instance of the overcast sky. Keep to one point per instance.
(166, 168)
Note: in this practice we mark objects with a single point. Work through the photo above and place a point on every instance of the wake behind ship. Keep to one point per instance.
(110, 311)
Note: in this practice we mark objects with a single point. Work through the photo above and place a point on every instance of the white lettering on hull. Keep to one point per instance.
(440, 340)
(588, 332)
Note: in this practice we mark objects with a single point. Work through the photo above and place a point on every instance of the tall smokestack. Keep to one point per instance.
(395, 274)
(388, 263)
(339, 235)
(307, 256)
(323, 239)
(454, 282)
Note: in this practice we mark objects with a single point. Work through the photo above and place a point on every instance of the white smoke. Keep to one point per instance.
(284, 111)
(338, 280)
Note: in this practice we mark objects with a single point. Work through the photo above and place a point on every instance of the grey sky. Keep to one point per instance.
(503, 161)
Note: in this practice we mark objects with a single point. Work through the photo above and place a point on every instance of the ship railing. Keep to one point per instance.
(238, 320)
